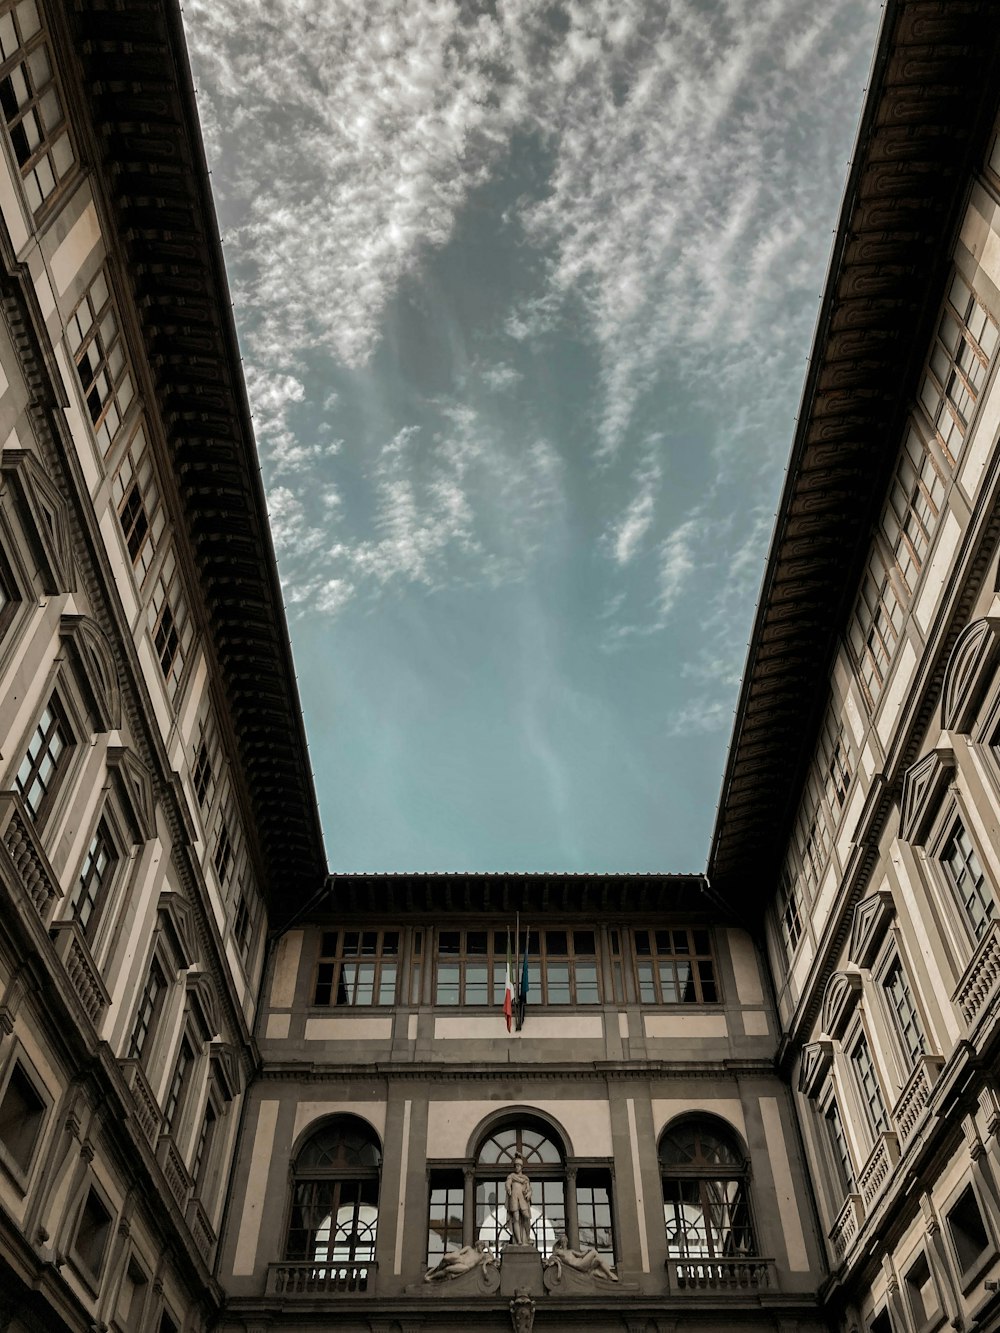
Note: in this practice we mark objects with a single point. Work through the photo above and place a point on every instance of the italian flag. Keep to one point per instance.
(508, 989)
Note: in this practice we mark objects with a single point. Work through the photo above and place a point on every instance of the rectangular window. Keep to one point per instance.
(674, 967)
(835, 763)
(148, 1012)
(470, 966)
(223, 854)
(170, 625)
(416, 966)
(137, 503)
(911, 513)
(968, 1231)
(22, 1114)
(132, 1298)
(876, 626)
(95, 339)
(921, 1292)
(562, 967)
(905, 1018)
(357, 967)
(790, 909)
(178, 1086)
(32, 104)
(242, 922)
(838, 1145)
(446, 1212)
(202, 1164)
(96, 875)
(207, 762)
(868, 1085)
(93, 1232)
(41, 765)
(593, 1208)
(963, 347)
(965, 873)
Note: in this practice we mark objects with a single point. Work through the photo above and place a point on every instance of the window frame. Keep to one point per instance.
(350, 1174)
(657, 960)
(55, 701)
(91, 1277)
(877, 1123)
(107, 888)
(49, 135)
(969, 1275)
(335, 961)
(706, 1173)
(18, 1059)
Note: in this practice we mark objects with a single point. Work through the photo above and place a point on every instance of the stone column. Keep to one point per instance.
(469, 1207)
(572, 1216)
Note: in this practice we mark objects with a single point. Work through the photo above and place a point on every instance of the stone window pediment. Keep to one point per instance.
(842, 994)
(95, 669)
(923, 787)
(817, 1058)
(872, 918)
(970, 670)
(46, 523)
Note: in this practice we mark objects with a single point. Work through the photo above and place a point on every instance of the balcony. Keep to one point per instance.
(844, 1231)
(981, 983)
(147, 1112)
(317, 1279)
(174, 1170)
(909, 1109)
(739, 1276)
(877, 1170)
(33, 874)
(72, 947)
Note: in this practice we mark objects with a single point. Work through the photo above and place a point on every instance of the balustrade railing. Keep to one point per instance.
(317, 1279)
(34, 874)
(844, 1231)
(981, 981)
(72, 947)
(877, 1170)
(738, 1275)
(909, 1109)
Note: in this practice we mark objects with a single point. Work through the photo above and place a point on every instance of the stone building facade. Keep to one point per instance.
(236, 1094)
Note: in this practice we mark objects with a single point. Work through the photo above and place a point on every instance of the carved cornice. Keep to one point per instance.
(931, 106)
(596, 1074)
(149, 153)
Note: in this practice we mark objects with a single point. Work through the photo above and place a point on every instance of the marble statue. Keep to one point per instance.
(454, 1263)
(518, 1188)
(584, 1261)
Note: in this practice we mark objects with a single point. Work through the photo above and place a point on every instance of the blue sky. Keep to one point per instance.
(525, 293)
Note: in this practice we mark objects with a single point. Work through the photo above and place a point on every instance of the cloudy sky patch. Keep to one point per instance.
(525, 293)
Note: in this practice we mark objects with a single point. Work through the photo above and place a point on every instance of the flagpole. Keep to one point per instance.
(518, 945)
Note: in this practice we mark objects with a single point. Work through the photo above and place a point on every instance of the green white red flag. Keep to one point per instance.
(508, 991)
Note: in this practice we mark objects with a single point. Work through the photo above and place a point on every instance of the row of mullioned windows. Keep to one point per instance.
(334, 1213)
(468, 967)
(963, 348)
(32, 104)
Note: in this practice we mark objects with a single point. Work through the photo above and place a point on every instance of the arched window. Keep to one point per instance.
(468, 1199)
(706, 1205)
(544, 1166)
(334, 1213)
